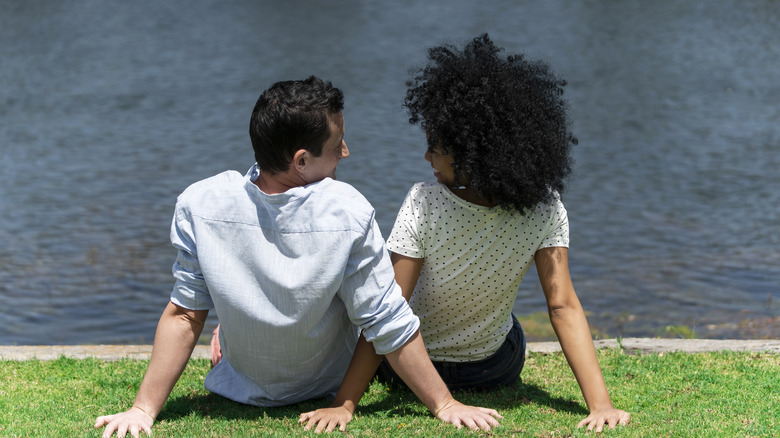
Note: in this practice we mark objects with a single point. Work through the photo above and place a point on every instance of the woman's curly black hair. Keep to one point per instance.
(503, 120)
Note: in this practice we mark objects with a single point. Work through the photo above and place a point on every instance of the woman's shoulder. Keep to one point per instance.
(550, 209)
(425, 186)
(426, 189)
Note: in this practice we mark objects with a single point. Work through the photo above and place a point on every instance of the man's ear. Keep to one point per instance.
(299, 159)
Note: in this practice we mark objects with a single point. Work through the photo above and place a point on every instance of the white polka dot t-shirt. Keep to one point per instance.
(475, 258)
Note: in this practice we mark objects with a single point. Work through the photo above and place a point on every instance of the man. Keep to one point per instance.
(295, 267)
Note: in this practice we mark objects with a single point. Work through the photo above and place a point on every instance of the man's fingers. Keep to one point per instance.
(457, 423)
(470, 423)
(488, 422)
(491, 412)
(483, 424)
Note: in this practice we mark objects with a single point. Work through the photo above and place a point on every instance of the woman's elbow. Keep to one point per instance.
(563, 309)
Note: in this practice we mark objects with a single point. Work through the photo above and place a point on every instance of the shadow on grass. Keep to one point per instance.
(500, 399)
(218, 407)
(396, 402)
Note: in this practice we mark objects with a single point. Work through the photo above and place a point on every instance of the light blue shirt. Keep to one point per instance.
(293, 278)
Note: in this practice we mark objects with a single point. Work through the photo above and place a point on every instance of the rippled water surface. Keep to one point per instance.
(109, 109)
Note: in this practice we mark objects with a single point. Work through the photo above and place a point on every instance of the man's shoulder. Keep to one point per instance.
(226, 180)
(339, 190)
(328, 199)
(212, 190)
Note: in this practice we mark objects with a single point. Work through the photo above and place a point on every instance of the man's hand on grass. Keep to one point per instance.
(611, 417)
(459, 415)
(133, 420)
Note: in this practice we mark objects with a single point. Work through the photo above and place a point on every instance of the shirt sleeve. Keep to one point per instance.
(190, 290)
(405, 238)
(372, 297)
(558, 220)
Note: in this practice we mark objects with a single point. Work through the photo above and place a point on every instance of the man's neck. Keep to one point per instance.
(272, 184)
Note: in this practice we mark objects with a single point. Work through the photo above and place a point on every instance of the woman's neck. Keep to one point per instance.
(467, 194)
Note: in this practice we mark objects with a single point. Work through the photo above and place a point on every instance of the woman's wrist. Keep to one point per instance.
(144, 411)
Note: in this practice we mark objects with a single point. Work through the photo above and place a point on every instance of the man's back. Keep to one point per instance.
(287, 276)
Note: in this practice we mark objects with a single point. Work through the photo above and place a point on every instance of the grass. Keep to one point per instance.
(670, 394)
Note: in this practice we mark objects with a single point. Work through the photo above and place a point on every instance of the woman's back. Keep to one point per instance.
(474, 260)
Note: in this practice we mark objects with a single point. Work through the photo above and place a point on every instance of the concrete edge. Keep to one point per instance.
(655, 345)
(629, 345)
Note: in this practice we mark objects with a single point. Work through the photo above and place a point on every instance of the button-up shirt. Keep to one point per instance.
(293, 278)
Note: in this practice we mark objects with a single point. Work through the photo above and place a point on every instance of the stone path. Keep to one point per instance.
(629, 345)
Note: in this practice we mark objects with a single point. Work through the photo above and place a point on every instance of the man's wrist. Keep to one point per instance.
(442, 406)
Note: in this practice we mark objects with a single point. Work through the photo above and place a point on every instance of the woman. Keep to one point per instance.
(498, 142)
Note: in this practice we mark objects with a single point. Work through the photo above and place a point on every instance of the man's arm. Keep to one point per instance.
(571, 327)
(364, 362)
(177, 333)
(412, 364)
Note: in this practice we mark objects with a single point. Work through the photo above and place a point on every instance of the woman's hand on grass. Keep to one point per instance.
(459, 415)
(133, 420)
(611, 417)
(326, 419)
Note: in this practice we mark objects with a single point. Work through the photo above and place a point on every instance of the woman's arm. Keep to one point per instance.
(571, 327)
(407, 272)
(361, 370)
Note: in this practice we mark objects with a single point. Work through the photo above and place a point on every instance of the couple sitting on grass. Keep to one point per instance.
(313, 303)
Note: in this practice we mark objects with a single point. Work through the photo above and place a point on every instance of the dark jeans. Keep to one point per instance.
(499, 369)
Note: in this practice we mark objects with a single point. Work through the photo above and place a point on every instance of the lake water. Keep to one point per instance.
(109, 109)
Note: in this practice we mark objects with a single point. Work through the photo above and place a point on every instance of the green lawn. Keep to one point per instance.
(670, 394)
